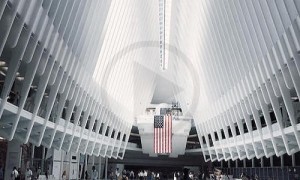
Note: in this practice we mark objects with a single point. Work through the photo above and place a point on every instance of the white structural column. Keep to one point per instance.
(55, 47)
(251, 79)
(74, 74)
(106, 166)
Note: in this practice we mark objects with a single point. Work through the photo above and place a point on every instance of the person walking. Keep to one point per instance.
(117, 173)
(14, 174)
(38, 172)
(131, 175)
(94, 174)
(64, 175)
(19, 174)
(28, 174)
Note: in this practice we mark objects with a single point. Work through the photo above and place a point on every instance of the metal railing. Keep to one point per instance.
(276, 173)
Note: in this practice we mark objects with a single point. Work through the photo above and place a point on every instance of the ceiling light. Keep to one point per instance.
(20, 78)
(2, 63)
(2, 73)
(163, 61)
(165, 7)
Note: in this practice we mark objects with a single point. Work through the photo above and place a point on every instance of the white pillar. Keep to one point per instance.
(262, 162)
(253, 163)
(85, 165)
(222, 164)
(228, 163)
(271, 161)
(43, 158)
(106, 166)
(244, 163)
(70, 163)
(236, 163)
(61, 163)
(281, 161)
(293, 160)
(78, 161)
(32, 155)
(99, 170)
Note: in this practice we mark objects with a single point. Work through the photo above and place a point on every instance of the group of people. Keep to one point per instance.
(148, 175)
(124, 175)
(219, 174)
(189, 175)
(131, 175)
(93, 174)
(153, 175)
(16, 174)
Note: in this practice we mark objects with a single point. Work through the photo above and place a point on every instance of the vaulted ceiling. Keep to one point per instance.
(230, 63)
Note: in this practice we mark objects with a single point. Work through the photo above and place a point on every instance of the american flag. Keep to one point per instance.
(163, 134)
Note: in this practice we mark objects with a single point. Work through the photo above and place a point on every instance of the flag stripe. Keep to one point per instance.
(163, 134)
(170, 129)
(164, 138)
(155, 140)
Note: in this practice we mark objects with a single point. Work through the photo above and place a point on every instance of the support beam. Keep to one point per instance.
(271, 161)
(85, 165)
(293, 160)
(222, 163)
(106, 166)
(70, 164)
(99, 168)
(62, 157)
(43, 158)
(32, 155)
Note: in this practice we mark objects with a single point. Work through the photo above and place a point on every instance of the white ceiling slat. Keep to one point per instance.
(226, 60)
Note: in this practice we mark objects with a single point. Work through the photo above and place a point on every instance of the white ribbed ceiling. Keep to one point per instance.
(128, 65)
(233, 65)
(210, 49)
